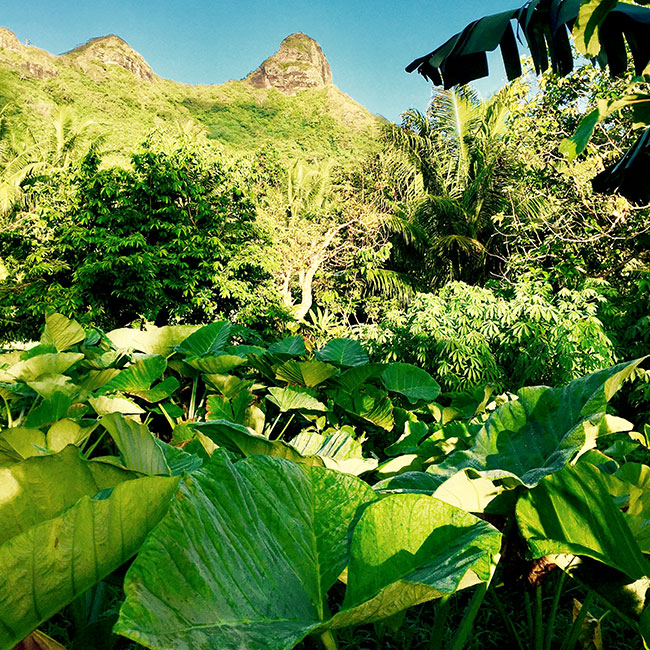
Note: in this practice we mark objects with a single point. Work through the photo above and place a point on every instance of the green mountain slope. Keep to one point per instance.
(288, 102)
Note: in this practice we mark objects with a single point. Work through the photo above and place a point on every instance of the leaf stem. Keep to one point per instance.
(554, 606)
(508, 621)
(539, 628)
(572, 639)
(437, 633)
(329, 640)
(293, 415)
(465, 629)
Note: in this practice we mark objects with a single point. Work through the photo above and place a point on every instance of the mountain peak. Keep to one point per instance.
(9, 41)
(111, 50)
(297, 65)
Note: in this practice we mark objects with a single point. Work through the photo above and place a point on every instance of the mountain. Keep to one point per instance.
(99, 52)
(288, 102)
(298, 64)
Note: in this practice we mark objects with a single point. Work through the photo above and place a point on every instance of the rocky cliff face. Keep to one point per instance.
(297, 65)
(28, 60)
(109, 50)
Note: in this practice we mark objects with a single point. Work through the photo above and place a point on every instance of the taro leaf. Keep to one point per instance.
(68, 432)
(206, 340)
(343, 352)
(62, 332)
(139, 449)
(305, 373)
(179, 460)
(244, 557)
(408, 442)
(104, 405)
(339, 451)
(241, 440)
(137, 380)
(47, 385)
(49, 410)
(412, 382)
(155, 340)
(410, 548)
(228, 385)
(243, 350)
(295, 398)
(43, 487)
(95, 379)
(471, 494)
(217, 364)
(352, 378)
(417, 482)
(369, 403)
(292, 346)
(572, 512)
(69, 540)
(636, 481)
(44, 364)
(406, 463)
(538, 434)
(234, 410)
(18, 443)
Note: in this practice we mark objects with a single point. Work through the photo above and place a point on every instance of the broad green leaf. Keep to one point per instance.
(104, 405)
(539, 433)
(339, 451)
(294, 398)
(228, 385)
(416, 482)
(410, 548)
(305, 373)
(409, 441)
(138, 378)
(62, 332)
(244, 557)
(68, 432)
(369, 403)
(193, 586)
(406, 463)
(51, 563)
(471, 494)
(217, 364)
(95, 379)
(139, 449)
(44, 364)
(43, 487)
(353, 378)
(206, 340)
(155, 340)
(343, 352)
(234, 410)
(55, 407)
(47, 385)
(412, 382)
(576, 144)
(292, 346)
(241, 440)
(18, 443)
(573, 512)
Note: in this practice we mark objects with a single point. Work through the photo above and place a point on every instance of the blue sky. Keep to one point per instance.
(368, 44)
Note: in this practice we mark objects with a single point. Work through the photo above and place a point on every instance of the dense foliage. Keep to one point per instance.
(128, 419)
(303, 381)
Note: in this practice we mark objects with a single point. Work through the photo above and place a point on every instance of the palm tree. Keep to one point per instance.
(460, 148)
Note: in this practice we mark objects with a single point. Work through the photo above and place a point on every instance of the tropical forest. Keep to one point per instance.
(278, 372)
